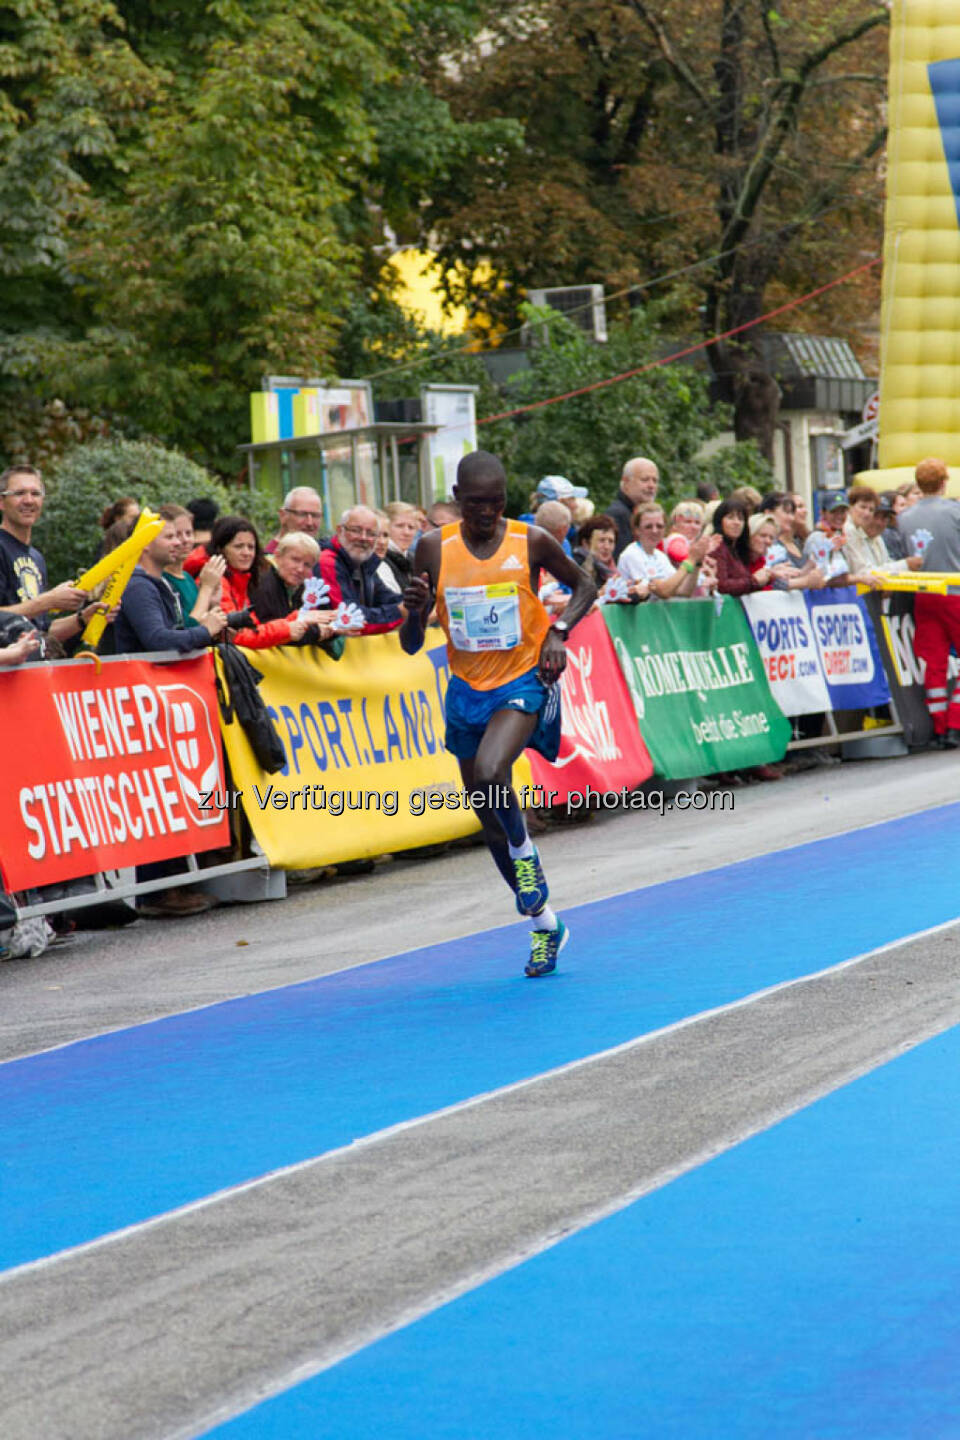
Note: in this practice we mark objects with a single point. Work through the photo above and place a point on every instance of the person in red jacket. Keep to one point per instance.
(236, 539)
(733, 556)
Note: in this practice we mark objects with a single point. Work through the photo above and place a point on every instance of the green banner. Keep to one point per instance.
(696, 677)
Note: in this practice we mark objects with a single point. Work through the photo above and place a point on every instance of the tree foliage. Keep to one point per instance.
(90, 477)
(731, 141)
(191, 197)
(223, 260)
(70, 89)
(665, 412)
(209, 247)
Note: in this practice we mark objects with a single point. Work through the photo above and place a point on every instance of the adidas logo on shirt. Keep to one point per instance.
(512, 563)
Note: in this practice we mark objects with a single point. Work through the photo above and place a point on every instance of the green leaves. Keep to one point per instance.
(665, 412)
(184, 181)
(193, 196)
(92, 477)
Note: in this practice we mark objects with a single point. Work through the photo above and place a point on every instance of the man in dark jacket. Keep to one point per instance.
(349, 564)
(150, 616)
(639, 480)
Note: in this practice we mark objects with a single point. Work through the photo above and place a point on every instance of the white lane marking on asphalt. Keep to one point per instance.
(376, 1136)
(362, 1339)
(468, 934)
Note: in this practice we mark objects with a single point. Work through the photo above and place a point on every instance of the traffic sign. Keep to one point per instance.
(867, 431)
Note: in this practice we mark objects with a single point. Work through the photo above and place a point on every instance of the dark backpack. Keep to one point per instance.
(242, 699)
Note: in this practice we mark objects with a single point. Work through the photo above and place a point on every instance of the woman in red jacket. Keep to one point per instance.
(235, 538)
(733, 557)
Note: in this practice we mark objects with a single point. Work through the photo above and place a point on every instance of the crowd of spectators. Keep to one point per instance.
(635, 552)
(206, 578)
(748, 542)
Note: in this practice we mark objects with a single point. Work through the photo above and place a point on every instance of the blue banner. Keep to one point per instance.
(848, 649)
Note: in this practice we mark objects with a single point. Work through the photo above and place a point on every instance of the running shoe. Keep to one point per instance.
(545, 946)
(532, 893)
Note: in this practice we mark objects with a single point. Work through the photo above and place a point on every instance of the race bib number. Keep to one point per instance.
(483, 617)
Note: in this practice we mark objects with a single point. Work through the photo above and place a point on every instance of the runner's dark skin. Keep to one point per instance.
(482, 500)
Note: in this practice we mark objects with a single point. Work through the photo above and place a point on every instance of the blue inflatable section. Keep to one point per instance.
(945, 84)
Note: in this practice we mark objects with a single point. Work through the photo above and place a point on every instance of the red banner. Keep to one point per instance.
(101, 771)
(601, 746)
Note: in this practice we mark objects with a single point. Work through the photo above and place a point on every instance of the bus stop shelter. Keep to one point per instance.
(368, 465)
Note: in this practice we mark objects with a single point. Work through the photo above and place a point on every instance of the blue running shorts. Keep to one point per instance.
(469, 712)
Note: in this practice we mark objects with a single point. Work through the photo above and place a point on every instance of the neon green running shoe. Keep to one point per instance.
(545, 946)
(532, 893)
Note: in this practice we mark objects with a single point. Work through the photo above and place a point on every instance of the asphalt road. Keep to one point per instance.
(163, 1330)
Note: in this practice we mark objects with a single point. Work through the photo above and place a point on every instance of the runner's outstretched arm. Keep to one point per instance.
(419, 591)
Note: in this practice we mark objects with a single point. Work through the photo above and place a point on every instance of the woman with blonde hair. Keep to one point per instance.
(685, 526)
(279, 591)
(764, 536)
(403, 529)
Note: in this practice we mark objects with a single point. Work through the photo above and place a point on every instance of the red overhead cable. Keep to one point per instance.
(681, 354)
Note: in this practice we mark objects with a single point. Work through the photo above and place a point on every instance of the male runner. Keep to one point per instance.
(505, 659)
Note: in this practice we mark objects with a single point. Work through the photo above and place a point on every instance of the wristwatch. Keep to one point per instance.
(561, 628)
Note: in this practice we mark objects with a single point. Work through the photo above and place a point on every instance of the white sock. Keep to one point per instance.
(546, 920)
(521, 852)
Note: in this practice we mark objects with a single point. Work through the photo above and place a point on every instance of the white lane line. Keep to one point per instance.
(504, 929)
(460, 1106)
(364, 1337)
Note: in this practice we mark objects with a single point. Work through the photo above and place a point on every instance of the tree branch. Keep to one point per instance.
(847, 79)
(792, 90)
(771, 43)
(637, 124)
(677, 63)
(827, 195)
(839, 42)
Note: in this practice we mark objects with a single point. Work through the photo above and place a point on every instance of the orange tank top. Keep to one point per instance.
(494, 620)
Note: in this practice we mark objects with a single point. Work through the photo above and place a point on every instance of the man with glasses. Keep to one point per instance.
(643, 564)
(349, 564)
(301, 511)
(23, 570)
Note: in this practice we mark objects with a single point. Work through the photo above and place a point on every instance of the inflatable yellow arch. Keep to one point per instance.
(920, 347)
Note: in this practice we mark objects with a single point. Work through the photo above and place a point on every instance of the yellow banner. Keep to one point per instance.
(367, 772)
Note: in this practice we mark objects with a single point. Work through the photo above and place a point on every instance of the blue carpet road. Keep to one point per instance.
(110, 1131)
